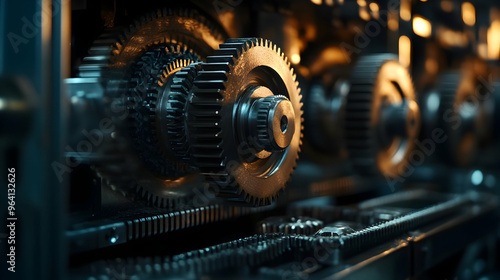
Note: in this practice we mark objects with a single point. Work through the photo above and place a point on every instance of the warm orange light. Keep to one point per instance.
(422, 27)
(404, 51)
(363, 13)
(362, 3)
(447, 6)
(431, 66)
(423, 0)
(317, 2)
(405, 10)
(295, 58)
(451, 38)
(494, 40)
(375, 10)
(468, 13)
(482, 50)
(329, 2)
(392, 21)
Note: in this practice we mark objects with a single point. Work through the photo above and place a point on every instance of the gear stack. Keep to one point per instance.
(241, 115)
(382, 118)
(236, 119)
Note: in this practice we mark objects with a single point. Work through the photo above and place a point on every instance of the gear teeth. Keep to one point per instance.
(204, 117)
(153, 70)
(359, 136)
(448, 89)
(112, 43)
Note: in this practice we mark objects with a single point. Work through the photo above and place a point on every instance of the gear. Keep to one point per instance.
(131, 58)
(119, 48)
(148, 112)
(244, 79)
(290, 225)
(250, 251)
(463, 111)
(382, 118)
(176, 122)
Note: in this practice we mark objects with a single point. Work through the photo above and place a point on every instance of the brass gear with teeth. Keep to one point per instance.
(222, 120)
(382, 118)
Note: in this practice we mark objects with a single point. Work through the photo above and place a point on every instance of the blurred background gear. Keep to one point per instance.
(382, 118)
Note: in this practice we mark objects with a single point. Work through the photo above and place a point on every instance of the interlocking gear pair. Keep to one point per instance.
(235, 116)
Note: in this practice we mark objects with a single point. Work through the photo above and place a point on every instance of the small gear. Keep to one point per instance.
(290, 225)
(223, 116)
(382, 118)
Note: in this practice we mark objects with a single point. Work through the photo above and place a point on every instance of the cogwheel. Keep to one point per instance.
(176, 121)
(463, 111)
(140, 166)
(150, 105)
(119, 48)
(242, 77)
(382, 118)
(290, 225)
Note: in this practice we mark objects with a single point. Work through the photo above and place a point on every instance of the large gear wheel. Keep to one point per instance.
(245, 120)
(134, 65)
(382, 118)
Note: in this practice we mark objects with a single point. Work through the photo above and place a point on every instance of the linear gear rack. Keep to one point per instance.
(233, 139)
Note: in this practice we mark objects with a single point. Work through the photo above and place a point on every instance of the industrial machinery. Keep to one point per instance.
(233, 139)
